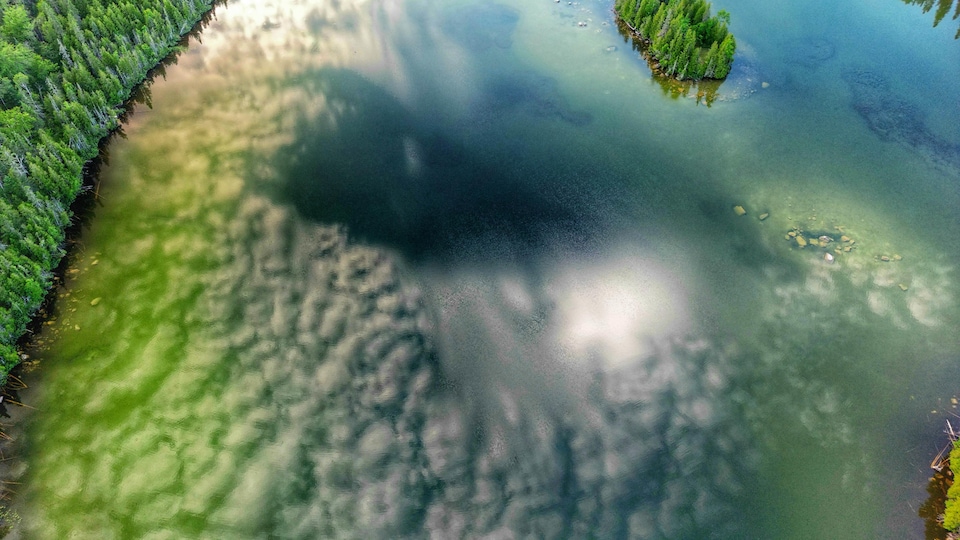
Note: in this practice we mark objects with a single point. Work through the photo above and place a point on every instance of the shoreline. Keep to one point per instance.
(706, 91)
(702, 69)
(81, 209)
(62, 164)
(89, 191)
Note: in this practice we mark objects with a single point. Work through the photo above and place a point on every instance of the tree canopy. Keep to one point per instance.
(681, 36)
(66, 67)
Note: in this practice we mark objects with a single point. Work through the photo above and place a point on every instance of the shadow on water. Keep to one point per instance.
(535, 94)
(395, 181)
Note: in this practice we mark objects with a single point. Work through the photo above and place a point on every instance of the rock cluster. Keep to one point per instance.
(831, 246)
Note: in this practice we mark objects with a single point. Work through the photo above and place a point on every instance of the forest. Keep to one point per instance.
(66, 69)
(681, 36)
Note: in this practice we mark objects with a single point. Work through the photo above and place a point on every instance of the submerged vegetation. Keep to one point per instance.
(684, 40)
(66, 68)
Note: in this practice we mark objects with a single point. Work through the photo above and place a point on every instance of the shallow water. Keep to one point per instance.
(381, 269)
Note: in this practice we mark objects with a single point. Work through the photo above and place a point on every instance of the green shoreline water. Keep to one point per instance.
(251, 368)
(34, 325)
(61, 112)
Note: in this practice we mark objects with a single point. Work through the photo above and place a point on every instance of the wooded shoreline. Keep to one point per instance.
(67, 71)
(681, 36)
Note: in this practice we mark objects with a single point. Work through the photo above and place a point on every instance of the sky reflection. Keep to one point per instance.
(366, 276)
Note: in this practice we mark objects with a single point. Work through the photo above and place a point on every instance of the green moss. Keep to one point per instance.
(951, 517)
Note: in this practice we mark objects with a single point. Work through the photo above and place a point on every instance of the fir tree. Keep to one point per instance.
(681, 36)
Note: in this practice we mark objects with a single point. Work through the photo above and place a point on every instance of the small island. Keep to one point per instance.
(681, 39)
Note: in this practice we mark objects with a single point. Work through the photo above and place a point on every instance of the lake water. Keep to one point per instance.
(456, 269)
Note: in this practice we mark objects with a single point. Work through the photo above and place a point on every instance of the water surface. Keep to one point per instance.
(464, 270)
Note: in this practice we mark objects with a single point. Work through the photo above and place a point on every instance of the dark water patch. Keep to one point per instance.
(811, 52)
(531, 93)
(397, 181)
(479, 27)
(895, 119)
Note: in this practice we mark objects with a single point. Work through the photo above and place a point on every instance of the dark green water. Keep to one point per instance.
(387, 269)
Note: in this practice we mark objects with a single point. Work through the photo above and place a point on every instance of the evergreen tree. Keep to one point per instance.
(725, 56)
(17, 25)
(681, 36)
(65, 68)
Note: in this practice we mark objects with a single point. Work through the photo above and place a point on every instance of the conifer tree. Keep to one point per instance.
(681, 36)
(65, 68)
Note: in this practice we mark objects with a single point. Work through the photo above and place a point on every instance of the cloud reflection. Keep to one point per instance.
(619, 307)
(504, 373)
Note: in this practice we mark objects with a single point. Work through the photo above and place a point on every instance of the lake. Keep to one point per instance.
(460, 269)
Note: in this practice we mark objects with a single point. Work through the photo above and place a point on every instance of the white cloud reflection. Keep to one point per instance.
(619, 306)
(300, 385)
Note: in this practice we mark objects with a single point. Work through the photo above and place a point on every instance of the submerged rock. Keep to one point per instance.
(811, 52)
(744, 78)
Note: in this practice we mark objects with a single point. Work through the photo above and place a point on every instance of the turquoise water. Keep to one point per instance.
(464, 270)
